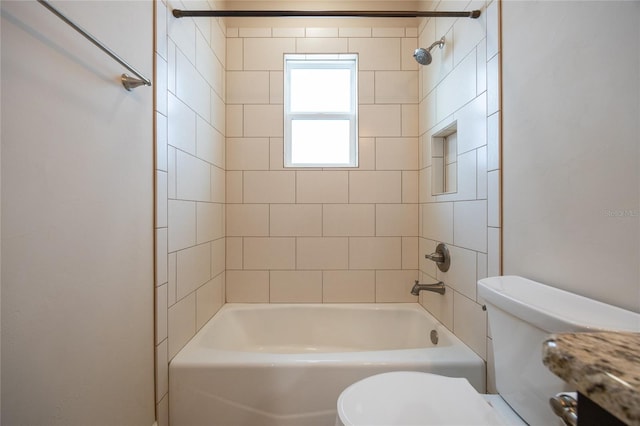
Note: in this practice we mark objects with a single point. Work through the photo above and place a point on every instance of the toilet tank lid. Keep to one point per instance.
(552, 309)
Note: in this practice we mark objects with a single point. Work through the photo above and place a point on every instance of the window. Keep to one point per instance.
(320, 111)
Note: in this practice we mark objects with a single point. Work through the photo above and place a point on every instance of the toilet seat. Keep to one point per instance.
(415, 398)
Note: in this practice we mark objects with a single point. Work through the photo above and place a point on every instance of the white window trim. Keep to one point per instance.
(315, 61)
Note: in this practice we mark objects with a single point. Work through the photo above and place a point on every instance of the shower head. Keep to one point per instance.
(423, 56)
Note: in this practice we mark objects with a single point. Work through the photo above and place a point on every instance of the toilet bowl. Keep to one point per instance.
(416, 398)
(521, 313)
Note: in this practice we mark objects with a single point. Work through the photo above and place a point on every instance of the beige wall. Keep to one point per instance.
(77, 211)
(321, 235)
(460, 86)
(572, 146)
(190, 182)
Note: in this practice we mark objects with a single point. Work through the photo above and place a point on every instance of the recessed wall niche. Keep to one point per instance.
(444, 160)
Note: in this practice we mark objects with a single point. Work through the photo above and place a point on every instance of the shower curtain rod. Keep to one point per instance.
(178, 13)
(127, 81)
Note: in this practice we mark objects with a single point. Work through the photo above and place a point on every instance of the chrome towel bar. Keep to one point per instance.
(127, 81)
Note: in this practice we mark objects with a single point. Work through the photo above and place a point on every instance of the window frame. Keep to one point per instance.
(347, 61)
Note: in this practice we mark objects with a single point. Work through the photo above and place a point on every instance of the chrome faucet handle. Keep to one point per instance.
(441, 257)
(436, 257)
(565, 406)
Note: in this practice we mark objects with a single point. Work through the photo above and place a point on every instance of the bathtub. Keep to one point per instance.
(286, 364)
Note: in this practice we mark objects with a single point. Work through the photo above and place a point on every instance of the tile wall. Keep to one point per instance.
(461, 85)
(190, 182)
(232, 225)
(322, 235)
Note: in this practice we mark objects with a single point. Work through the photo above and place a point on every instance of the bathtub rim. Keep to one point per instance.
(193, 354)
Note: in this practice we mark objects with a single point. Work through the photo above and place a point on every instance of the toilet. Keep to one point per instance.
(522, 313)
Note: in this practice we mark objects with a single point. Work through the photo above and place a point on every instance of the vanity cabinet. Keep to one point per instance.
(604, 367)
(591, 414)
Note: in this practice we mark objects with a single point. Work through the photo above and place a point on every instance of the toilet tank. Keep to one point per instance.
(522, 314)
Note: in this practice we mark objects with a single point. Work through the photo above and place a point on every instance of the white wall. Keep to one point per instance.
(571, 139)
(77, 218)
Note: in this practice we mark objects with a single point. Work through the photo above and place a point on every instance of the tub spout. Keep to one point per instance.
(436, 288)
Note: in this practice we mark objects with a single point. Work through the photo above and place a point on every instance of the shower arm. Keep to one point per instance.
(438, 43)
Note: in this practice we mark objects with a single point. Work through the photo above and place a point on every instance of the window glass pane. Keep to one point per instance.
(314, 90)
(320, 141)
(320, 110)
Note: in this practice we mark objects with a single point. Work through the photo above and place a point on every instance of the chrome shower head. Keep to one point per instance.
(423, 56)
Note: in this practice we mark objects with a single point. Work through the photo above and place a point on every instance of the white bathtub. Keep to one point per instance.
(286, 365)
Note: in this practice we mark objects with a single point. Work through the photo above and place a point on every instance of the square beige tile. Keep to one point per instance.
(395, 286)
(193, 269)
(439, 305)
(348, 287)
(269, 253)
(322, 253)
(182, 224)
(247, 153)
(181, 323)
(250, 220)
(375, 186)
(397, 154)
(377, 53)
(462, 278)
(247, 286)
(269, 187)
(208, 300)
(470, 225)
(266, 53)
(209, 222)
(437, 220)
(380, 120)
(247, 87)
(375, 253)
(410, 186)
(322, 186)
(263, 121)
(295, 220)
(234, 121)
(218, 185)
(295, 286)
(410, 253)
(470, 323)
(218, 257)
(396, 87)
(193, 178)
(348, 220)
(233, 253)
(233, 187)
(322, 45)
(397, 220)
(410, 119)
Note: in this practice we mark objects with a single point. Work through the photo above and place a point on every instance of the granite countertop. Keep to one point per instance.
(604, 366)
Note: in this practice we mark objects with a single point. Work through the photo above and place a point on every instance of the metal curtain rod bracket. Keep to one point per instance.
(127, 81)
(178, 13)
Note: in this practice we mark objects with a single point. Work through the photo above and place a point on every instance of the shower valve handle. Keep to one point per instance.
(436, 257)
(441, 257)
